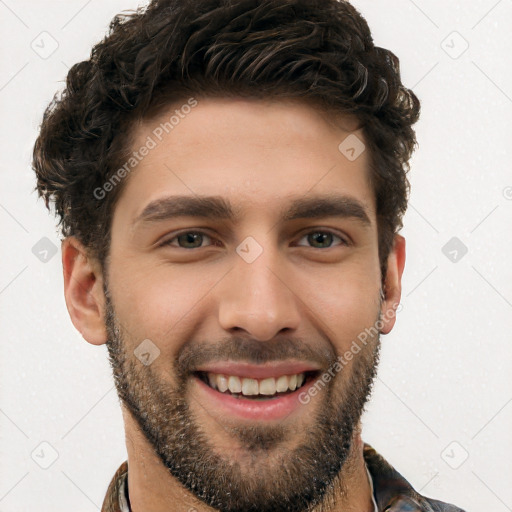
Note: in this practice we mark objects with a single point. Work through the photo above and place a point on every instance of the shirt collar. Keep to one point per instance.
(370, 479)
(123, 496)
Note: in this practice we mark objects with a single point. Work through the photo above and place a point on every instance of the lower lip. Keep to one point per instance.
(271, 409)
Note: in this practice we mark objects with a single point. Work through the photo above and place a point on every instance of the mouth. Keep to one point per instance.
(269, 388)
(263, 399)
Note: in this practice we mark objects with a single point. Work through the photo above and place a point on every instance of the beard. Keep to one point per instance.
(271, 478)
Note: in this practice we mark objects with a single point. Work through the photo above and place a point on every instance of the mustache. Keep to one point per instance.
(192, 355)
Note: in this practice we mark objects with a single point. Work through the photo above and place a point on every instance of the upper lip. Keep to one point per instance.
(259, 371)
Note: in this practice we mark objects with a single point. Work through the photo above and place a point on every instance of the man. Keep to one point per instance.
(230, 178)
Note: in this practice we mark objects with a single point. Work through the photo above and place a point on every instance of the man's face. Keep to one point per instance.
(277, 289)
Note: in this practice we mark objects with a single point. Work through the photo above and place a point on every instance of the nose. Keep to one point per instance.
(258, 297)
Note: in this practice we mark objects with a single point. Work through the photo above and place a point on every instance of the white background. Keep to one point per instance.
(444, 388)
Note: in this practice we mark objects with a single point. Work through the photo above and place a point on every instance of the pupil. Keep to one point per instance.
(190, 238)
(315, 236)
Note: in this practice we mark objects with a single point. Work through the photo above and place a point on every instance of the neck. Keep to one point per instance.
(153, 489)
(351, 490)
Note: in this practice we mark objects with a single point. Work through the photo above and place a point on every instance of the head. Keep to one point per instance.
(279, 250)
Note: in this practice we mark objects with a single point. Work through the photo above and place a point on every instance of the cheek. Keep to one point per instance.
(150, 302)
(346, 303)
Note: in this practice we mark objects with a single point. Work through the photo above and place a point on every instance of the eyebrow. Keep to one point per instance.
(216, 207)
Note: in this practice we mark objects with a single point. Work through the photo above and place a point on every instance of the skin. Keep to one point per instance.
(259, 155)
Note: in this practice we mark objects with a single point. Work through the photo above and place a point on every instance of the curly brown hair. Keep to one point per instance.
(320, 51)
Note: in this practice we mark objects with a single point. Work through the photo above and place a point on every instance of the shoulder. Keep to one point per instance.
(394, 493)
(111, 501)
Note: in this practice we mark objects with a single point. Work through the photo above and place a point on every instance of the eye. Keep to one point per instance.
(187, 240)
(321, 239)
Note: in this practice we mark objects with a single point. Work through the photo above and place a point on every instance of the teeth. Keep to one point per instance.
(282, 384)
(234, 384)
(251, 387)
(268, 387)
(222, 383)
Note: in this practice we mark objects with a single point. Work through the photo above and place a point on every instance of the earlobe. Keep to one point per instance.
(83, 291)
(393, 284)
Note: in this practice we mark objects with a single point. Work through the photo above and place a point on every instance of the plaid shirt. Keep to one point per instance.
(391, 492)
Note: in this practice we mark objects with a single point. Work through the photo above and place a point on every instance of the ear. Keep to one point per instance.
(393, 284)
(83, 291)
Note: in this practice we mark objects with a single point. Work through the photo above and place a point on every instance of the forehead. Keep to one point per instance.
(258, 154)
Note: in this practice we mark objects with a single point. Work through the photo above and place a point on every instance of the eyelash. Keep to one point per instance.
(167, 242)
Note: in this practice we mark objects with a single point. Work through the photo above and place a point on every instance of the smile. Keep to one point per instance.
(262, 389)
(269, 398)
